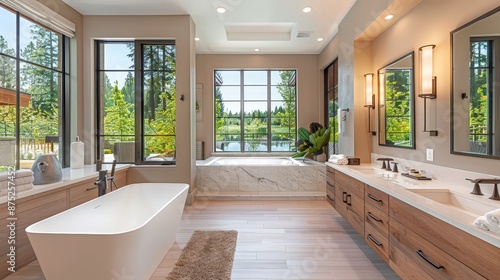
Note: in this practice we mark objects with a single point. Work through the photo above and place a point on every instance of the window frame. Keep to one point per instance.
(269, 132)
(138, 71)
(63, 87)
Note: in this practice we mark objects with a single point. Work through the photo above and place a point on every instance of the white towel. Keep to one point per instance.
(483, 224)
(493, 217)
(16, 181)
(340, 161)
(18, 188)
(17, 174)
(337, 156)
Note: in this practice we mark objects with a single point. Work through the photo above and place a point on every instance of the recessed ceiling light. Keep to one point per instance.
(196, 39)
(257, 50)
(319, 39)
(221, 10)
(307, 9)
(388, 17)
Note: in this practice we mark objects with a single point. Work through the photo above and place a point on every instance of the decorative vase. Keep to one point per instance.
(46, 169)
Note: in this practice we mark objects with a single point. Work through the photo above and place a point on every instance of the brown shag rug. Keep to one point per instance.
(208, 255)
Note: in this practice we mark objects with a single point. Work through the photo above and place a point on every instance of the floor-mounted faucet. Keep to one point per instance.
(101, 183)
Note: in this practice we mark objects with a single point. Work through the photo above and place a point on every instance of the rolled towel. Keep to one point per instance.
(483, 224)
(339, 161)
(493, 217)
(338, 156)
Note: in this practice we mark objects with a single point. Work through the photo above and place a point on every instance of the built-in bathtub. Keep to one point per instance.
(122, 235)
(260, 177)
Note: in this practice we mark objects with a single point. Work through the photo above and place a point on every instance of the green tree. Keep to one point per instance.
(119, 119)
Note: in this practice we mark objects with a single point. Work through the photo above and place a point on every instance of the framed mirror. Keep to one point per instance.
(397, 104)
(475, 93)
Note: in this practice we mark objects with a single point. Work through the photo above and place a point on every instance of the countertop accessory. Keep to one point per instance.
(416, 177)
(46, 169)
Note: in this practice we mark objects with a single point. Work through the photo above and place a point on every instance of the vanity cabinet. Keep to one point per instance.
(377, 221)
(416, 236)
(349, 200)
(416, 245)
(330, 185)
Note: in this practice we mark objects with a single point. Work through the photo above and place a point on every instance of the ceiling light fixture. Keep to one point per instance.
(221, 10)
(388, 17)
(196, 39)
(319, 39)
(257, 50)
(307, 9)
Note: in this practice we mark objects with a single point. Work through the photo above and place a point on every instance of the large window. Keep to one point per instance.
(33, 75)
(137, 94)
(255, 110)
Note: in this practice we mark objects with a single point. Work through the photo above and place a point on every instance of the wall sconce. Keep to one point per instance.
(369, 99)
(427, 80)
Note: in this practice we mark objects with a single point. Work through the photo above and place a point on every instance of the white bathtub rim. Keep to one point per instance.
(296, 161)
(115, 233)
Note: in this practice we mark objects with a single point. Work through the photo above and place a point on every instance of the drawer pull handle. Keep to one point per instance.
(374, 198)
(330, 184)
(421, 254)
(348, 201)
(329, 171)
(373, 217)
(374, 240)
(328, 196)
(344, 197)
(92, 188)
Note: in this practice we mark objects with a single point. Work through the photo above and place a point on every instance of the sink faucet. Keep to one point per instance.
(477, 189)
(384, 166)
(102, 182)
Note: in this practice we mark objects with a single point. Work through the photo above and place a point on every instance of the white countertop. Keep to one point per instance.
(399, 187)
(70, 176)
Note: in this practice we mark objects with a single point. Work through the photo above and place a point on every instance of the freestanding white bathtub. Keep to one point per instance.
(122, 235)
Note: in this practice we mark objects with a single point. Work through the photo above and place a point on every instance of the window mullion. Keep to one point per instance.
(242, 114)
(269, 132)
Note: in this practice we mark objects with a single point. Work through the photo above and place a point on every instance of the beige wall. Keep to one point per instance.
(180, 28)
(431, 23)
(353, 63)
(310, 98)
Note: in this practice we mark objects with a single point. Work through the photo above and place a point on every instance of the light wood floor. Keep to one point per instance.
(276, 240)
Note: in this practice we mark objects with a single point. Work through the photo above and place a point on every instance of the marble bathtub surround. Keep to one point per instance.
(308, 181)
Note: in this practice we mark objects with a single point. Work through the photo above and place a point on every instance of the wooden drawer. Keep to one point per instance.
(405, 267)
(468, 249)
(350, 184)
(356, 221)
(377, 219)
(81, 193)
(339, 198)
(356, 204)
(377, 198)
(429, 257)
(330, 197)
(377, 241)
(330, 174)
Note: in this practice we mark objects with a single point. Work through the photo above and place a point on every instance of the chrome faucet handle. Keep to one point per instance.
(495, 195)
(477, 189)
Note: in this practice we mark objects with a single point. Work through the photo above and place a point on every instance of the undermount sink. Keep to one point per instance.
(460, 201)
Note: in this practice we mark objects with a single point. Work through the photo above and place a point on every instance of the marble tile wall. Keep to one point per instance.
(261, 180)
